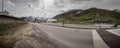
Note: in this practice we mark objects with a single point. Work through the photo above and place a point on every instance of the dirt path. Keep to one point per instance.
(35, 38)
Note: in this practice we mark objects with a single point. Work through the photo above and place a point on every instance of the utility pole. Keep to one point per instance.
(63, 19)
(2, 6)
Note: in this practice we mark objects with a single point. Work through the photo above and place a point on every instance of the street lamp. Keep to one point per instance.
(63, 23)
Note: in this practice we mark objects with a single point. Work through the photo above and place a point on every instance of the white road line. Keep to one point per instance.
(98, 42)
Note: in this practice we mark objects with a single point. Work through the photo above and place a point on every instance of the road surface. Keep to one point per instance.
(74, 38)
(90, 26)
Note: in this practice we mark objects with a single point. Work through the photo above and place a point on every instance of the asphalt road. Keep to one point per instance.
(90, 26)
(74, 38)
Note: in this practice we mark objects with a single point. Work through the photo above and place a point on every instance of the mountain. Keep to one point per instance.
(89, 15)
(117, 10)
(68, 14)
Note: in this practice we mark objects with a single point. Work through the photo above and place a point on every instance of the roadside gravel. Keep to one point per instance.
(35, 38)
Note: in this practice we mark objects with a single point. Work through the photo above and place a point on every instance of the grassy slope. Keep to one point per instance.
(87, 16)
(7, 28)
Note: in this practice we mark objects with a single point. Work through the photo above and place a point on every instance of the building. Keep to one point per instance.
(9, 19)
(102, 22)
(51, 21)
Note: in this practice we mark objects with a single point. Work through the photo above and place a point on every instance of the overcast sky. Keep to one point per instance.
(50, 8)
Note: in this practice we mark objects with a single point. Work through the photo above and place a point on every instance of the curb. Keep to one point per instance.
(77, 27)
(116, 33)
(98, 41)
(70, 27)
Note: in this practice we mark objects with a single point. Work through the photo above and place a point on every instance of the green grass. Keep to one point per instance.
(88, 19)
(6, 26)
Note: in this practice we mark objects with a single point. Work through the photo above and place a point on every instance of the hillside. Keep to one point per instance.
(87, 16)
(67, 14)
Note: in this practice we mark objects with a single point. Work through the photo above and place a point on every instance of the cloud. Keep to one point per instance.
(50, 8)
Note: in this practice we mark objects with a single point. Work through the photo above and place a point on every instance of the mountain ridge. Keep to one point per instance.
(88, 15)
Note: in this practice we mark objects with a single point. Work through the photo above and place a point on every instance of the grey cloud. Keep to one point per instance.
(108, 4)
(74, 1)
(25, 2)
(115, 2)
(53, 7)
(64, 3)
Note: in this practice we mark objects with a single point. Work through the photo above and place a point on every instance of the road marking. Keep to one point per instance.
(98, 42)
